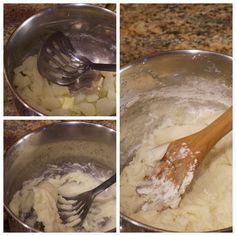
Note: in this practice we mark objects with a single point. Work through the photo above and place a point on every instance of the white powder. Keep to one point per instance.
(162, 193)
(183, 152)
(192, 88)
(188, 178)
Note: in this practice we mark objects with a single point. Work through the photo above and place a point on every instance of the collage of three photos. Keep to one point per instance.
(70, 115)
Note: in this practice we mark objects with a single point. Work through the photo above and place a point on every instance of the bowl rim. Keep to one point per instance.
(142, 61)
(193, 52)
(155, 229)
(38, 14)
(37, 130)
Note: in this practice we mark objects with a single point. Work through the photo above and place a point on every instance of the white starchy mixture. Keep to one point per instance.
(206, 206)
(35, 203)
(52, 99)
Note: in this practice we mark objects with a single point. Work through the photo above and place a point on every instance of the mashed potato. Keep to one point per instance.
(36, 203)
(206, 206)
(52, 99)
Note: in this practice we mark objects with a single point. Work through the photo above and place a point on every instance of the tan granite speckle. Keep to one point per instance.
(149, 28)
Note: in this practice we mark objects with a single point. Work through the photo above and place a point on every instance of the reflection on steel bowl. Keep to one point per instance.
(58, 159)
(163, 98)
(33, 94)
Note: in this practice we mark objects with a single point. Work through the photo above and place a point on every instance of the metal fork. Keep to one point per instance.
(73, 210)
(59, 62)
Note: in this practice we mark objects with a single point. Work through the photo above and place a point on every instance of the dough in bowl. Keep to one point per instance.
(206, 206)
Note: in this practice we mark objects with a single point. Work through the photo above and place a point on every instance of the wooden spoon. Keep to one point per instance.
(174, 173)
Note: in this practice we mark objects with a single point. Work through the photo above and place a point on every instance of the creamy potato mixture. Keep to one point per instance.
(207, 205)
(52, 99)
(36, 203)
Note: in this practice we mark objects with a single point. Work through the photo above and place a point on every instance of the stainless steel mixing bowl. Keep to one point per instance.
(75, 142)
(170, 70)
(99, 24)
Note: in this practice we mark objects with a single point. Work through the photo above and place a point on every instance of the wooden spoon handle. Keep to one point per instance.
(216, 130)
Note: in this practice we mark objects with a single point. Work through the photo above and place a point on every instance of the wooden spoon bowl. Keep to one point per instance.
(175, 171)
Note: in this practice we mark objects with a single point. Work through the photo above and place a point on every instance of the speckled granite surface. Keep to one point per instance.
(147, 29)
(14, 15)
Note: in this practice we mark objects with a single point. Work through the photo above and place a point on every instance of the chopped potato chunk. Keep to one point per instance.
(52, 99)
(87, 108)
(105, 107)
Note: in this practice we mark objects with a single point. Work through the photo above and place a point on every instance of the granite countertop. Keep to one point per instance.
(147, 28)
(14, 15)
